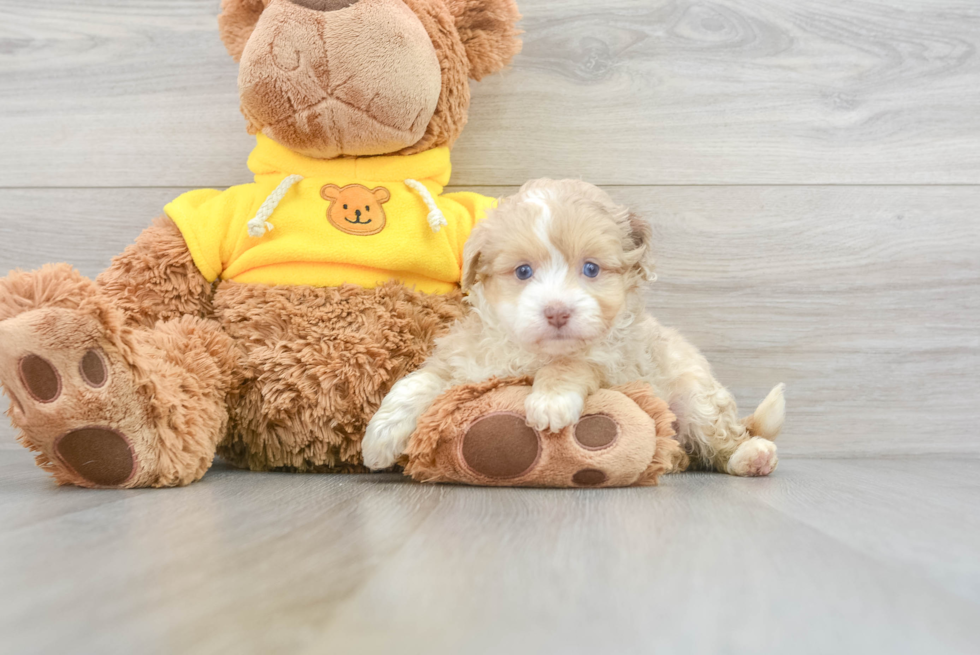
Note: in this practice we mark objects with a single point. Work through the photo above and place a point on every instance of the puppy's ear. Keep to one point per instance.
(489, 32)
(472, 251)
(236, 22)
(641, 237)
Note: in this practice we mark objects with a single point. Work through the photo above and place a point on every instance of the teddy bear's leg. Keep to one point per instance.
(317, 363)
(112, 384)
(478, 434)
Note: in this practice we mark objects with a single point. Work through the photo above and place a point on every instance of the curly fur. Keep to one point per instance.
(317, 363)
(155, 278)
(609, 340)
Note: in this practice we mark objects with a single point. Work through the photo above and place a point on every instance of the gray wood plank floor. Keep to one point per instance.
(872, 556)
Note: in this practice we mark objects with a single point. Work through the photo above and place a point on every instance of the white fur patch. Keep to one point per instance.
(552, 285)
(553, 411)
(768, 417)
(754, 458)
(391, 427)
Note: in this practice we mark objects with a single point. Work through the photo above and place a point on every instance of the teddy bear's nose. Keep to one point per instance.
(325, 5)
(357, 212)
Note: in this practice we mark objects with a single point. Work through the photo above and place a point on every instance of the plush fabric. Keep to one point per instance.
(313, 242)
(316, 364)
(165, 387)
(488, 32)
(189, 344)
(273, 378)
(364, 80)
(469, 38)
(476, 434)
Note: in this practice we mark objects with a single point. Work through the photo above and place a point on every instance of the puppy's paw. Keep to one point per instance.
(386, 438)
(553, 411)
(754, 458)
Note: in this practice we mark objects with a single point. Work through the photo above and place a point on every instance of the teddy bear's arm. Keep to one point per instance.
(156, 279)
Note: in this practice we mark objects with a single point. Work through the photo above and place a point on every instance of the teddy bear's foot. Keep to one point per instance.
(106, 406)
(479, 435)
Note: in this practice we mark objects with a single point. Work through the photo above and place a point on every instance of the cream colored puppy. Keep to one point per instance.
(555, 278)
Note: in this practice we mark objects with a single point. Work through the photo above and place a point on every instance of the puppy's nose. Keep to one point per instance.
(557, 315)
(324, 5)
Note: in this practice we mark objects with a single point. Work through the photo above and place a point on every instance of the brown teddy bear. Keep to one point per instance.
(266, 322)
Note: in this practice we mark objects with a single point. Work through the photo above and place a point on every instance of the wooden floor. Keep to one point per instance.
(826, 556)
(811, 170)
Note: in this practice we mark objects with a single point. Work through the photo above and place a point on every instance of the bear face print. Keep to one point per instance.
(356, 209)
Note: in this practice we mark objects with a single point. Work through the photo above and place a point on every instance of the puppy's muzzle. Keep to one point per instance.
(557, 315)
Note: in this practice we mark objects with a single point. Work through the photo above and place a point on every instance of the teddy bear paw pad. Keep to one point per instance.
(75, 405)
(40, 378)
(501, 446)
(596, 432)
(589, 478)
(101, 456)
(479, 434)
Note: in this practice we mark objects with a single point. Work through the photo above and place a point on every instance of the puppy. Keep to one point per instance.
(555, 279)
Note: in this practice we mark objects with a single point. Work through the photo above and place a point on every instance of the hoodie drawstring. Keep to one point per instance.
(260, 224)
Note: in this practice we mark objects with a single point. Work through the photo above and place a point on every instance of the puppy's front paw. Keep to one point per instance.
(385, 440)
(553, 411)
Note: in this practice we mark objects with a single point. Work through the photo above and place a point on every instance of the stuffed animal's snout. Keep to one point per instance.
(324, 5)
(329, 83)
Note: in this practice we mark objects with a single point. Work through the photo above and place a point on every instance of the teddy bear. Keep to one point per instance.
(265, 323)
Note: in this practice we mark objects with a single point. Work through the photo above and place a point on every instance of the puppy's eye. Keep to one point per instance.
(523, 272)
(591, 269)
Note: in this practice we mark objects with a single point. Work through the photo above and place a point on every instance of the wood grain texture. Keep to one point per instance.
(141, 93)
(864, 300)
(825, 556)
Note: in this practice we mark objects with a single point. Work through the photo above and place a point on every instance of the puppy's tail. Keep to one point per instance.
(767, 419)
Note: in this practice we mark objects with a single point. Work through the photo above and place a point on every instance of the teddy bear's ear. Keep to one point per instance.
(489, 32)
(236, 22)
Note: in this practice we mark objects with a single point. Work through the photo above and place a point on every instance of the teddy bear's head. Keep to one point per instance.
(333, 78)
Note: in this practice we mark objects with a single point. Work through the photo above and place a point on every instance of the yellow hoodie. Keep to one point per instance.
(317, 222)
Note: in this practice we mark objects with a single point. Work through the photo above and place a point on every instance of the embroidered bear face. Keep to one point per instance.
(356, 209)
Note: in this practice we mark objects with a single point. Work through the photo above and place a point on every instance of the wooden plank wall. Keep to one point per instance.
(811, 170)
